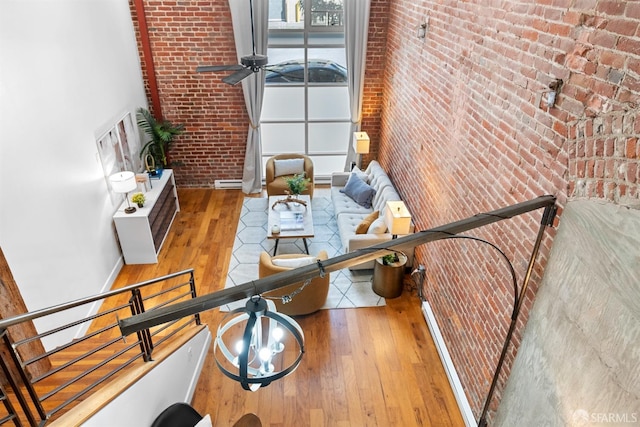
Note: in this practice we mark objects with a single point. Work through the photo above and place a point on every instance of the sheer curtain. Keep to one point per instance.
(252, 86)
(356, 27)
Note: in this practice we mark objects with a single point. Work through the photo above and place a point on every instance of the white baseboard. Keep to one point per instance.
(452, 374)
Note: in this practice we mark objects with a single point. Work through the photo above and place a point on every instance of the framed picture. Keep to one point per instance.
(118, 149)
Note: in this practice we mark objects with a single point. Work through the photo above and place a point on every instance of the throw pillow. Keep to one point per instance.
(378, 226)
(363, 227)
(205, 422)
(294, 262)
(288, 166)
(361, 174)
(361, 192)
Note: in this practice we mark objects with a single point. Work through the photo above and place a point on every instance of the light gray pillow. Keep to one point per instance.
(361, 174)
(378, 226)
(294, 262)
(288, 167)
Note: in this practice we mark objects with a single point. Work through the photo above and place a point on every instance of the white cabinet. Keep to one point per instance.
(142, 233)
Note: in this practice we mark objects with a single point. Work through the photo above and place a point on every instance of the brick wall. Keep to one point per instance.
(465, 129)
(183, 35)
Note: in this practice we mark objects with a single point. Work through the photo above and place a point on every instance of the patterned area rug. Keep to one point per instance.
(349, 289)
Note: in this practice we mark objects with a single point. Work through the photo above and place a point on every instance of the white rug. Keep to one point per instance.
(349, 289)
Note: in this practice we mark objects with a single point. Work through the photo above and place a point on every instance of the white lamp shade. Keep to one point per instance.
(361, 142)
(397, 217)
(123, 182)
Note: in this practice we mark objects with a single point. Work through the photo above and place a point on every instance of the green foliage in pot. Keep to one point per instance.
(390, 259)
(161, 133)
(297, 183)
(138, 199)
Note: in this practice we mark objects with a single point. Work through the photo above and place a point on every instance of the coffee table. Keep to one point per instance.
(274, 219)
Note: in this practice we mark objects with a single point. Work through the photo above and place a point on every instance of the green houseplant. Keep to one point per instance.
(138, 199)
(390, 259)
(162, 134)
(297, 183)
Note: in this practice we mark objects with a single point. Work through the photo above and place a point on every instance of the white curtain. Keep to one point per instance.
(252, 86)
(356, 29)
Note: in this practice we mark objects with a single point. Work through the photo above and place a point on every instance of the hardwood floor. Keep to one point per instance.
(362, 367)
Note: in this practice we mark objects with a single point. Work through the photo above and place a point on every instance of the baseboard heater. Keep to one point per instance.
(452, 374)
(228, 183)
(237, 183)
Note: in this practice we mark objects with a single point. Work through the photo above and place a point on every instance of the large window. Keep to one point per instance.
(306, 100)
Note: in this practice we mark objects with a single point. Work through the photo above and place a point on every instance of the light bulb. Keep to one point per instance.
(277, 346)
(265, 354)
(265, 357)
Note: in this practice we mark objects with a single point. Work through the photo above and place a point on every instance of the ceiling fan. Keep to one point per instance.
(248, 64)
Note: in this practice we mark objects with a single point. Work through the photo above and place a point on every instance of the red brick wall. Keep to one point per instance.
(375, 75)
(464, 129)
(183, 35)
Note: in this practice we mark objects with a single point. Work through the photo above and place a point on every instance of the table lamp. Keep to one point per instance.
(123, 183)
(397, 218)
(360, 145)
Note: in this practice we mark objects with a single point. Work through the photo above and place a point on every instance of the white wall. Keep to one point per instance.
(69, 69)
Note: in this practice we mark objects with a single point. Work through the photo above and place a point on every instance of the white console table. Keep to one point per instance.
(142, 233)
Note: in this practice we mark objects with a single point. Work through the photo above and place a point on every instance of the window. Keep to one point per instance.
(306, 98)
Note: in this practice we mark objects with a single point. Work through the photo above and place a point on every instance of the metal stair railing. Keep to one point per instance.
(77, 367)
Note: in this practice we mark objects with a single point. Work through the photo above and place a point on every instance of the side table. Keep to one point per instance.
(388, 280)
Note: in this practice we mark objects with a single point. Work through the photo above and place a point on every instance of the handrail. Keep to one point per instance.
(77, 367)
(14, 320)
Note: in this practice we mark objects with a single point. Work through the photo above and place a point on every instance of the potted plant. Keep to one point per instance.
(138, 199)
(162, 135)
(297, 183)
(390, 259)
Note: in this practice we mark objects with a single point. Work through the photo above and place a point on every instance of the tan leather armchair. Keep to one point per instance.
(276, 185)
(312, 297)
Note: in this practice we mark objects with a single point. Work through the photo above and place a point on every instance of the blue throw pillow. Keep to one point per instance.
(361, 192)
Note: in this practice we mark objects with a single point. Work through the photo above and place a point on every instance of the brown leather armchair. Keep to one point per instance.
(276, 185)
(310, 300)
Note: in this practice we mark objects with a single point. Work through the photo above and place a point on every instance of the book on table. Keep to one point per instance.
(291, 221)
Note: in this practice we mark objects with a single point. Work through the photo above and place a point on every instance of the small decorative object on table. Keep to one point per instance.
(297, 184)
(138, 199)
(291, 221)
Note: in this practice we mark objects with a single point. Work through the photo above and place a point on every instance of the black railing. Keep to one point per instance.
(45, 384)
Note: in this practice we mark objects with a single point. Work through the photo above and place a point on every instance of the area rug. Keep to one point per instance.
(348, 289)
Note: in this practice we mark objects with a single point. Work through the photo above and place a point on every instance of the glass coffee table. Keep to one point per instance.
(293, 220)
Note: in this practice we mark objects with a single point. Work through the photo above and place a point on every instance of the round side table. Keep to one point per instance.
(388, 280)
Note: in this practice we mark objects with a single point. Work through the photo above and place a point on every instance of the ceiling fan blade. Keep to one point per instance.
(213, 68)
(236, 77)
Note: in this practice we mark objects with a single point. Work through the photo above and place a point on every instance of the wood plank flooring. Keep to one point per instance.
(362, 367)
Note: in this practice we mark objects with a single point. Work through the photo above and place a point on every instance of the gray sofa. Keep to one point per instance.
(349, 214)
